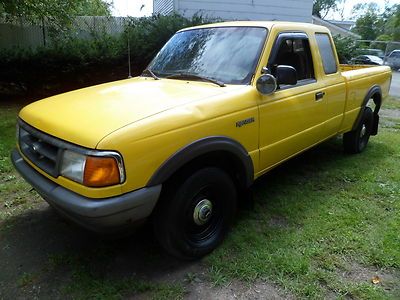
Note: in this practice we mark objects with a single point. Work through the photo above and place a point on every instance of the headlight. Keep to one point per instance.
(73, 166)
(97, 170)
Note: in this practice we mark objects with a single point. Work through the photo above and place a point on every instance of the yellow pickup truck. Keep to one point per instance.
(219, 106)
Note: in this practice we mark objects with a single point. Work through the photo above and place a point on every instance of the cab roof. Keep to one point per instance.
(264, 24)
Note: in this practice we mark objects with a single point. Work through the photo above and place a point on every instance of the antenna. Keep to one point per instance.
(129, 54)
(129, 44)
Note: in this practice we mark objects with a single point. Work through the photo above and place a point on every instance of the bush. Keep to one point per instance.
(346, 48)
(147, 35)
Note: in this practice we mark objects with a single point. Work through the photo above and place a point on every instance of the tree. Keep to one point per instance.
(57, 13)
(361, 9)
(382, 38)
(396, 29)
(373, 24)
(322, 7)
(369, 26)
(92, 8)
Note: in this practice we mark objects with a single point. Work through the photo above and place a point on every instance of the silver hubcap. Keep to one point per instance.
(202, 212)
(363, 131)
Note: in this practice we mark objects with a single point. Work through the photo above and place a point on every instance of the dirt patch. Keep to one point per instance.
(390, 113)
(389, 279)
(278, 222)
(236, 290)
(390, 118)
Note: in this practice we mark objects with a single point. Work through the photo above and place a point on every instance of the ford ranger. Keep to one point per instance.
(218, 106)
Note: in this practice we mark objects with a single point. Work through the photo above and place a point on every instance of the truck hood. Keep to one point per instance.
(85, 116)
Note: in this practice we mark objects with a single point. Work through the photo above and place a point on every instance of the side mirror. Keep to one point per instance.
(286, 75)
(266, 84)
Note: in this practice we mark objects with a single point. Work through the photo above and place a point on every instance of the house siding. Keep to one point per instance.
(334, 29)
(283, 10)
(163, 7)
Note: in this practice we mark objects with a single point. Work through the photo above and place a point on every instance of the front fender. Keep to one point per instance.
(201, 147)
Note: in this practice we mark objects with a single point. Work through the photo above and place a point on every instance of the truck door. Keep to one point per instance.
(292, 118)
(334, 87)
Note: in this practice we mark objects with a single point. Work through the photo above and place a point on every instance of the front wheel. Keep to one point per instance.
(356, 140)
(194, 219)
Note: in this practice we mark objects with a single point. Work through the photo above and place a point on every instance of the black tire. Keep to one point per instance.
(356, 141)
(175, 217)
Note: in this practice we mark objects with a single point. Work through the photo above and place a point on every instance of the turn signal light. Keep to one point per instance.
(101, 171)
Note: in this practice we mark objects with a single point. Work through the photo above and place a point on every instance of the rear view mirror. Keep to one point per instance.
(286, 75)
(266, 84)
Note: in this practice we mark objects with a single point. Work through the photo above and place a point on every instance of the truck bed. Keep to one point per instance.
(359, 80)
(347, 67)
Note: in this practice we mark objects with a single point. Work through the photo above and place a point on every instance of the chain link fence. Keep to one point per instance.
(386, 47)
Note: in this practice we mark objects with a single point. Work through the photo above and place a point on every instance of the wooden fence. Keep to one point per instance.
(23, 34)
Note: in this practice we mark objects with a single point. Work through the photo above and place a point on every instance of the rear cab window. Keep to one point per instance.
(326, 52)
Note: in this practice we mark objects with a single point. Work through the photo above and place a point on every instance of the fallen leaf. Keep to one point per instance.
(376, 280)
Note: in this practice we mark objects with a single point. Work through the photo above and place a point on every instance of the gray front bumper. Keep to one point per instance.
(100, 215)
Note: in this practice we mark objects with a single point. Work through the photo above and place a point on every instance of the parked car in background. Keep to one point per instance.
(376, 52)
(393, 60)
(367, 60)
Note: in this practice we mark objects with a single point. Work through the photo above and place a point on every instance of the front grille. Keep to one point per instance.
(39, 148)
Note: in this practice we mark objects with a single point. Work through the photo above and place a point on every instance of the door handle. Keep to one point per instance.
(319, 96)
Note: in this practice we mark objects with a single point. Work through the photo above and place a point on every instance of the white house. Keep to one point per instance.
(282, 10)
(344, 24)
(335, 29)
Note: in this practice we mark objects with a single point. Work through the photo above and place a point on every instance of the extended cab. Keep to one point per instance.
(219, 106)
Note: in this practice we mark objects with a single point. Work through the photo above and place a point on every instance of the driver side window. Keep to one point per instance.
(293, 51)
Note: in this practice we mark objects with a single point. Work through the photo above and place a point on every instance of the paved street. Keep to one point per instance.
(395, 87)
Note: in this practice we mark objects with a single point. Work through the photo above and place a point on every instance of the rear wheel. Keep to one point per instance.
(194, 219)
(356, 140)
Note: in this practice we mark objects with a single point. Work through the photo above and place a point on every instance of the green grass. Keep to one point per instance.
(392, 103)
(16, 196)
(88, 279)
(335, 212)
(7, 140)
(323, 224)
(86, 285)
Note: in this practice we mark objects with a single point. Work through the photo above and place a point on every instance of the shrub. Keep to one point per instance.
(346, 48)
(147, 35)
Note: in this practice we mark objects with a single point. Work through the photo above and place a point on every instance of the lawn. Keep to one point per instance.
(325, 224)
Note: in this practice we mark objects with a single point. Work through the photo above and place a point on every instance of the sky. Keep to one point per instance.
(137, 8)
(133, 8)
(347, 6)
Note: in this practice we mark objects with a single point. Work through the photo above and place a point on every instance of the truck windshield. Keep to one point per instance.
(226, 54)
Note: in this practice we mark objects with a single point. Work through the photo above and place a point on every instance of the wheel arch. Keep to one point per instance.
(211, 150)
(374, 93)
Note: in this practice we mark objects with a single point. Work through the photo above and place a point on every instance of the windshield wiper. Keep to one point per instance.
(194, 76)
(149, 71)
